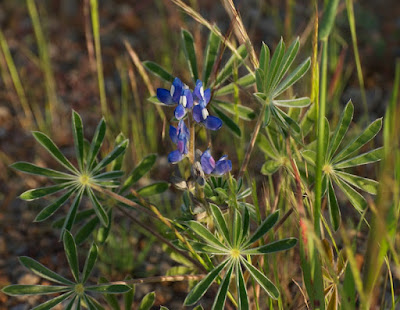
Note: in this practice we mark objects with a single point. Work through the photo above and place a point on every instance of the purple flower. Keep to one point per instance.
(209, 166)
(200, 112)
(180, 136)
(178, 94)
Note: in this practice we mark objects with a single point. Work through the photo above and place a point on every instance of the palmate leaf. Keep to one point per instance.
(363, 159)
(147, 301)
(139, 171)
(36, 193)
(276, 246)
(153, 189)
(235, 59)
(84, 232)
(98, 208)
(220, 222)
(89, 263)
(243, 112)
(228, 121)
(264, 57)
(367, 185)
(293, 103)
(265, 226)
(219, 301)
(355, 198)
(274, 65)
(53, 302)
(158, 71)
(71, 254)
(207, 248)
(77, 130)
(21, 289)
(241, 285)
(70, 218)
(97, 141)
(190, 53)
(52, 208)
(333, 205)
(200, 289)
(115, 153)
(205, 234)
(36, 170)
(244, 81)
(211, 53)
(108, 288)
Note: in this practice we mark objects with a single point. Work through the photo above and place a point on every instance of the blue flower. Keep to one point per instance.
(178, 94)
(200, 112)
(180, 136)
(209, 166)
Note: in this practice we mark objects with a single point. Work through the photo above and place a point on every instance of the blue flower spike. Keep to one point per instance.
(180, 136)
(209, 166)
(200, 112)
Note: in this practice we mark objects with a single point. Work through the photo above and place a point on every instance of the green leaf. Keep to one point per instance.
(220, 222)
(264, 57)
(103, 232)
(53, 302)
(245, 224)
(92, 303)
(276, 61)
(49, 145)
(190, 53)
(117, 163)
(309, 156)
(260, 80)
(267, 115)
(158, 71)
(264, 282)
(244, 81)
(97, 141)
(292, 77)
(237, 229)
(363, 159)
(147, 301)
(128, 296)
(117, 151)
(243, 112)
(44, 191)
(98, 208)
(355, 198)
(241, 285)
(226, 71)
(286, 62)
(109, 175)
(71, 303)
(140, 170)
(293, 103)
(42, 271)
(333, 205)
(276, 246)
(220, 299)
(108, 288)
(264, 227)
(369, 133)
(228, 121)
(52, 208)
(199, 290)
(18, 289)
(341, 129)
(70, 218)
(71, 253)
(206, 248)
(85, 231)
(153, 189)
(367, 185)
(205, 234)
(211, 53)
(286, 120)
(89, 263)
(77, 130)
(328, 19)
(36, 170)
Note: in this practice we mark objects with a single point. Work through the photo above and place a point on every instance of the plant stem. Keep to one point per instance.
(191, 141)
(160, 279)
(252, 141)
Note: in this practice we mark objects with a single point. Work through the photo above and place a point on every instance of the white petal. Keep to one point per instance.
(172, 90)
(202, 92)
(204, 113)
(183, 101)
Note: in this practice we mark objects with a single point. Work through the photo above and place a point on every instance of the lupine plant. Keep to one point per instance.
(225, 239)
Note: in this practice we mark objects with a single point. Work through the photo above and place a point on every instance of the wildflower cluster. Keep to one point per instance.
(196, 103)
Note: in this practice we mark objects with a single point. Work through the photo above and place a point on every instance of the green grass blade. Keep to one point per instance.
(293, 103)
(153, 189)
(355, 198)
(97, 141)
(115, 153)
(18, 290)
(232, 126)
(205, 234)
(190, 53)
(200, 289)
(98, 208)
(367, 185)
(265, 226)
(52, 208)
(363, 159)
(49, 145)
(244, 81)
(333, 205)
(72, 254)
(276, 246)
(220, 222)
(243, 112)
(328, 19)
(292, 77)
(50, 304)
(159, 71)
(220, 299)
(42, 271)
(89, 263)
(36, 170)
(140, 170)
(341, 129)
(36, 193)
(227, 70)
(264, 282)
(147, 301)
(77, 130)
(211, 53)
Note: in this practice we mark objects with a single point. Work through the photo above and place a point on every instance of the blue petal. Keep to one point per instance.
(164, 96)
(179, 111)
(196, 91)
(189, 98)
(222, 166)
(197, 113)
(175, 157)
(213, 122)
(177, 86)
(173, 134)
(183, 128)
(207, 162)
(207, 96)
